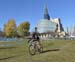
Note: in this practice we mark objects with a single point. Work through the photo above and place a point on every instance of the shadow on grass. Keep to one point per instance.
(7, 57)
(50, 50)
(7, 47)
(23, 54)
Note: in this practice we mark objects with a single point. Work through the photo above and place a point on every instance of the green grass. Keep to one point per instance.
(54, 51)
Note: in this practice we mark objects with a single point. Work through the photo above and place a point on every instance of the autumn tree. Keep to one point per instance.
(23, 29)
(10, 28)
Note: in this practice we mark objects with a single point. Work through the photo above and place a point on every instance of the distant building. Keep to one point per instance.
(2, 34)
(48, 27)
(73, 31)
(60, 29)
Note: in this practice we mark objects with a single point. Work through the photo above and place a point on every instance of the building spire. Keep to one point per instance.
(46, 15)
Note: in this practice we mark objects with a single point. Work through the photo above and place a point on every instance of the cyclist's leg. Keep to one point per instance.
(40, 47)
(30, 43)
(38, 44)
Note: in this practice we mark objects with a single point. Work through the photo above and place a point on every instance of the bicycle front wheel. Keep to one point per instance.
(32, 50)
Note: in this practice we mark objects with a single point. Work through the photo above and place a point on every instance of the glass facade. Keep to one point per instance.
(45, 26)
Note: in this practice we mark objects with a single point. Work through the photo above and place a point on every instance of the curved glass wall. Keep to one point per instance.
(45, 25)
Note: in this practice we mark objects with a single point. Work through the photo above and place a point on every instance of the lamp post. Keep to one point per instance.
(35, 29)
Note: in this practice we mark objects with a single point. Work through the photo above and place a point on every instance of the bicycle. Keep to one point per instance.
(35, 47)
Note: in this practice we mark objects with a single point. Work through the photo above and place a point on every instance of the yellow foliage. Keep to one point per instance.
(10, 28)
(23, 28)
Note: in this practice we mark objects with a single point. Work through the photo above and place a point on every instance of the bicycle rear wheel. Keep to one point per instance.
(40, 49)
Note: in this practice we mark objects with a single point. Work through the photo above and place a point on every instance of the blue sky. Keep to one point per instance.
(33, 10)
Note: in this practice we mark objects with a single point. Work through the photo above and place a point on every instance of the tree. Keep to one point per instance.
(10, 28)
(23, 29)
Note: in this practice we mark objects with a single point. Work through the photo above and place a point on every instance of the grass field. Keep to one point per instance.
(54, 51)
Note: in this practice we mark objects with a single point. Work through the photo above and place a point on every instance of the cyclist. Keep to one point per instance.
(35, 38)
